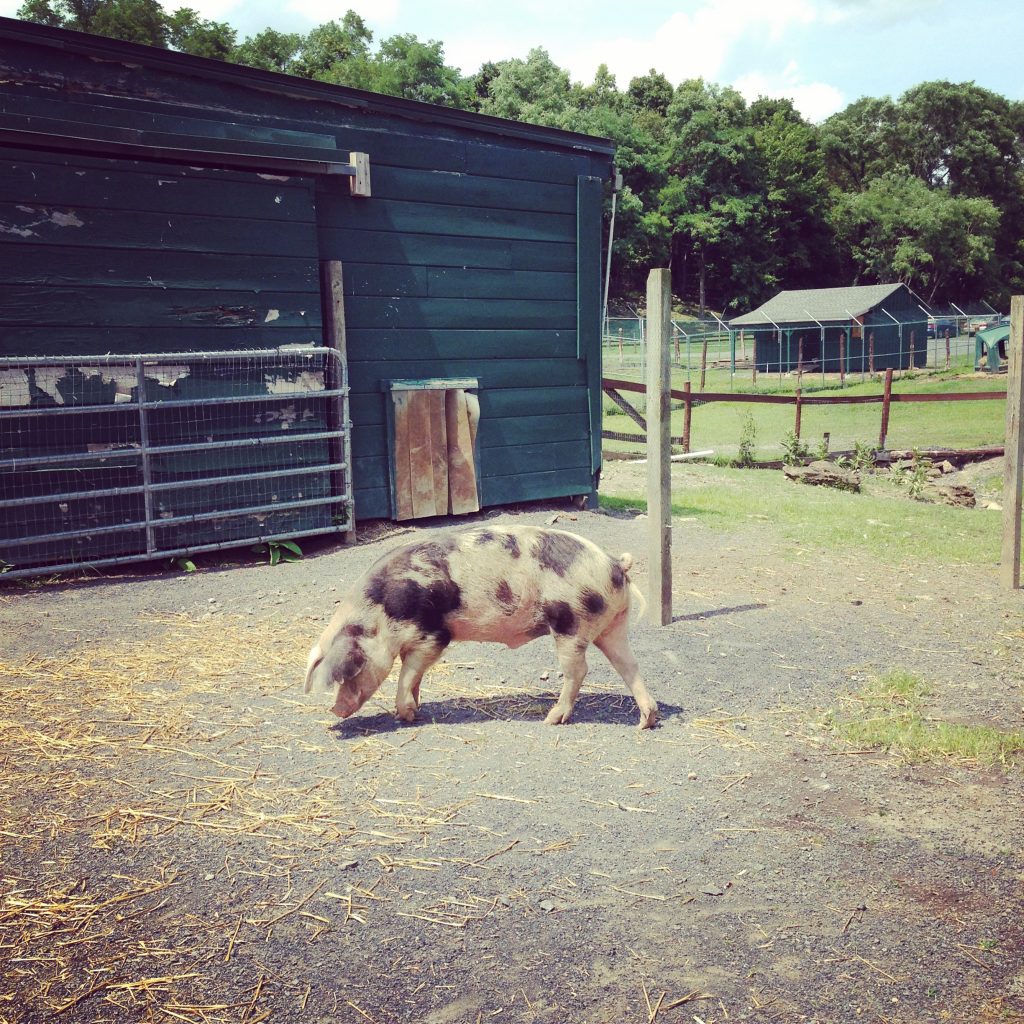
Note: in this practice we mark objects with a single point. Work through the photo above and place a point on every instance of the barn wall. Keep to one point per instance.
(474, 257)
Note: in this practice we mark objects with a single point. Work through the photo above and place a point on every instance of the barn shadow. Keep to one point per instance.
(591, 709)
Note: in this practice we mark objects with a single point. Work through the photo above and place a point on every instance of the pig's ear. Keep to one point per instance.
(316, 655)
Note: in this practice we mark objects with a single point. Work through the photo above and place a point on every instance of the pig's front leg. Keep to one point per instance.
(572, 656)
(414, 664)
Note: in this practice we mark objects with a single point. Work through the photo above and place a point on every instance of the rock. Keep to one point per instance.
(824, 474)
(691, 776)
(713, 890)
(546, 905)
(947, 467)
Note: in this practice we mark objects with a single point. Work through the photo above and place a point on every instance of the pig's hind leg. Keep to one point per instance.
(613, 643)
(572, 656)
(414, 664)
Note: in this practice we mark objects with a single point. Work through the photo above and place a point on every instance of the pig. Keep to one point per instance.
(505, 584)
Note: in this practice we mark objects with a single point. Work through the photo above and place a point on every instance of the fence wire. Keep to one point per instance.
(115, 458)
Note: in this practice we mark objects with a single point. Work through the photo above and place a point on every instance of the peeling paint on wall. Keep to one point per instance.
(308, 381)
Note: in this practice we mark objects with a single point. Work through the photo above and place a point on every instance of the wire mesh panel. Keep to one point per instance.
(107, 459)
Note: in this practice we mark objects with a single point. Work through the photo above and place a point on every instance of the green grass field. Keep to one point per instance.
(882, 521)
(719, 426)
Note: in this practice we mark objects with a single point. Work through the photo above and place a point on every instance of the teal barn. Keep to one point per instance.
(412, 294)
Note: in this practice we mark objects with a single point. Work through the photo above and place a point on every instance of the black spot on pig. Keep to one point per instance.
(484, 537)
(353, 662)
(425, 604)
(561, 619)
(511, 545)
(505, 598)
(593, 602)
(557, 552)
(618, 576)
(354, 629)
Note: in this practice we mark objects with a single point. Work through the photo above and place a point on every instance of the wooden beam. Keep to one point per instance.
(659, 492)
(340, 449)
(1013, 472)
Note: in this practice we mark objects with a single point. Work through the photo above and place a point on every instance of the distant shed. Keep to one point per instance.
(858, 328)
(155, 202)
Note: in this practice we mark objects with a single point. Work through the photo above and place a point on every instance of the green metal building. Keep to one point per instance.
(154, 204)
(860, 328)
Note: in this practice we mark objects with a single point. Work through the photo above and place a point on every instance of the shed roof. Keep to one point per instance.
(99, 47)
(824, 304)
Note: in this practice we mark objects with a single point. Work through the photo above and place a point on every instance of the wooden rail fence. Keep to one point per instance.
(613, 387)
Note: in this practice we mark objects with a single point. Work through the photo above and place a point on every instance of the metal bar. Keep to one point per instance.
(43, 570)
(11, 412)
(11, 465)
(198, 517)
(127, 359)
(172, 485)
(147, 478)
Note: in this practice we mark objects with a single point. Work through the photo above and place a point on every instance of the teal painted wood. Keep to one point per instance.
(403, 344)
(495, 374)
(588, 297)
(64, 180)
(456, 282)
(384, 247)
(86, 110)
(463, 189)
(438, 219)
(494, 433)
(38, 224)
(563, 482)
(28, 264)
(514, 460)
(458, 314)
(37, 305)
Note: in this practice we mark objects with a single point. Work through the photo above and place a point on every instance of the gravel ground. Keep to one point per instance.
(184, 836)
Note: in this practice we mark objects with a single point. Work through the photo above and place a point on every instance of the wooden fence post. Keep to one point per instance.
(886, 400)
(947, 348)
(687, 415)
(842, 358)
(659, 493)
(1013, 473)
(703, 362)
(799, 410)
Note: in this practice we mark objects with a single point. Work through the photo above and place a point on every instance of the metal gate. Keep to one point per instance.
(111, 459)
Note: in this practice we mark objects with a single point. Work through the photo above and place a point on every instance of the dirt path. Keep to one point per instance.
(185, 837)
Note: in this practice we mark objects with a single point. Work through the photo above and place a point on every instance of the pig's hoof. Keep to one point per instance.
(407, 713)
(558, 715)
(649, 717)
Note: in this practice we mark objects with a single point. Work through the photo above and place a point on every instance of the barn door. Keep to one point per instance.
(432, 447)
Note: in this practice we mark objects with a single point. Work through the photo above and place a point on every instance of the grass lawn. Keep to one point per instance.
(719, 426)
(881, 521)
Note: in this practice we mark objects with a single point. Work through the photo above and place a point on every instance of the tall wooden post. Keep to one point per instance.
(687, 416)
(799, 410)
(886, 402)
(659, 492)
(1013, 473)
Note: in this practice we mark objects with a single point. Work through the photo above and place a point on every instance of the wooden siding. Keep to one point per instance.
(478, 253)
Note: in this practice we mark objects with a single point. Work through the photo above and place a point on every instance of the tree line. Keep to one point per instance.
(739, 199)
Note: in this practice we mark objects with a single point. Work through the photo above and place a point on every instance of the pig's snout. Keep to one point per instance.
(348, 701)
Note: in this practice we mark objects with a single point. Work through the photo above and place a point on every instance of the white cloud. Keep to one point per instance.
(815, 100)
(691, 44)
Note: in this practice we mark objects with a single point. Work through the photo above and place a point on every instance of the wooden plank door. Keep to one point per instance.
(432, 448)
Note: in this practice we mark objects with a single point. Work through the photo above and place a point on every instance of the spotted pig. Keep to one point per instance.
(508, 585)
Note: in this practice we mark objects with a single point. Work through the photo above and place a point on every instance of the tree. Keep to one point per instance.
(859, 143)
(270, 50)
(329, 45)
(135, 21)
(932, 241)
(710, 210)
(187, 32)
(532, 90)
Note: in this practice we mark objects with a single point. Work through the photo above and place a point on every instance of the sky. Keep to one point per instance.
(822, 54)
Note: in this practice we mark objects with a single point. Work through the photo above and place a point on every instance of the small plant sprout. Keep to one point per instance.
(748, 441)
(794, 451)
(279, 551)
